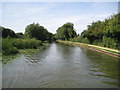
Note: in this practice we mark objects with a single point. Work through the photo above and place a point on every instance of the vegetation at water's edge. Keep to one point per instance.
(102, 33)
(10, 57)
(11, 45)
(33, 38)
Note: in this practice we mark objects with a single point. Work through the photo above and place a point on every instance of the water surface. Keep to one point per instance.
(61, 66)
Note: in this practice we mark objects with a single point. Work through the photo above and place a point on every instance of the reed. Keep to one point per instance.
(11, 45)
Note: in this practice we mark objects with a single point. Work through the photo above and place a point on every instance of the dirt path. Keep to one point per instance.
(105, 48)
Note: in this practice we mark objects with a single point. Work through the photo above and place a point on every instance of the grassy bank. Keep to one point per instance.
(11, 57)
(12, 48)
(112, 52)
(12, 45)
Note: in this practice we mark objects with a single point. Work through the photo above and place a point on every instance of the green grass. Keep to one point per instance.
(109, 51)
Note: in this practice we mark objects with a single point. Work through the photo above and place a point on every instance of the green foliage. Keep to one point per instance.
(11, 45)
(76, 39)
(7, 32)
(20, 35)
(0, 44)
(65, 32)
(84, 40)
(109, 42)
(38, 32)
(26, 43)
(7, 47)
(105, 33)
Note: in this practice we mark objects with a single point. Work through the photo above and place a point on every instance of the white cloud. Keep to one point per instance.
(50, 16)
(80, 22)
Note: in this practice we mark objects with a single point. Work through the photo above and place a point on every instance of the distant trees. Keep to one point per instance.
(7, 32)
(105, 33)
(65, 32)
(31, 31)
(20, 35)
(38, 32)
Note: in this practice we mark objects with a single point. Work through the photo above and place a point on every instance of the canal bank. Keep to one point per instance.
(108, 51)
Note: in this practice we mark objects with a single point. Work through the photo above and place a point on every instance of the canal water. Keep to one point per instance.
(61, 66)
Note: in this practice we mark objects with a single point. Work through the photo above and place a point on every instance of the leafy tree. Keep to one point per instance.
(19, 35)
(105, 33)
(7, 32)
(38, 32)
(65, 32)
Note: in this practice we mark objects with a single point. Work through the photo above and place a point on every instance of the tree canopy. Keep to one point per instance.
(7, 33)
(105, 33)
(66, 32)
(38, 32)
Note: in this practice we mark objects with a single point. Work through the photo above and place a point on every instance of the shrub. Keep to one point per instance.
(7, 47)
(11, 45)
(26, 43)
(76, 39)
(109, 42)
(85, 40)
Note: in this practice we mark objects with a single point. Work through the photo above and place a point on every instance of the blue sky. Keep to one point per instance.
(51, 15)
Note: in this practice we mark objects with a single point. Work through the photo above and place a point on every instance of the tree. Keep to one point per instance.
(7, 32)
(105, 33)
(66, 32)
(38, 32)
(19, 35)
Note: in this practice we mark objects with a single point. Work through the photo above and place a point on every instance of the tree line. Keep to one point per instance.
(33, 38)
(104, 33)
(31, 31)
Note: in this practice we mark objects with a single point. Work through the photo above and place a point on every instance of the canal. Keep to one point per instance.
(61, 66)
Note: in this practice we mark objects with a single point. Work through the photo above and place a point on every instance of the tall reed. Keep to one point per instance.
(11, 45)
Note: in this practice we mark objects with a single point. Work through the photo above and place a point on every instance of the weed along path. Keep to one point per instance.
(61, 66)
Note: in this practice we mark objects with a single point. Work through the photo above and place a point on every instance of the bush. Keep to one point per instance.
(76, 39)
(26, 43)
(11, 45)
(85, 40)
(109, 42)
(7, 47)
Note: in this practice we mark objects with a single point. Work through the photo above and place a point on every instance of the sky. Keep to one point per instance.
(51, 15)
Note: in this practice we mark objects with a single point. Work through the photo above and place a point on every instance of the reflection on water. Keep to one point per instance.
(103, 66)
(62, 66)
